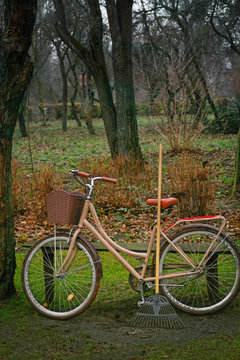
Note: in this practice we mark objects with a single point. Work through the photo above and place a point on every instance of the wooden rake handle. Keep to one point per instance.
(158, 219)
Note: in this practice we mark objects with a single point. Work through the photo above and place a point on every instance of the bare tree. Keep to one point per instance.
(73, 60)
(120, 122)
(90, 51)
(225, 21)
(188, 17)
(16, 29)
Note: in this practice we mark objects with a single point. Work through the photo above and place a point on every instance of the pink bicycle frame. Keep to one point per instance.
(115, 248)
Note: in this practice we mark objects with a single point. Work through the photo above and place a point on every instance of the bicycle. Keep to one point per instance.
(199, 263)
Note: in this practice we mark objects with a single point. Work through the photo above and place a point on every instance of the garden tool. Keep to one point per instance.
(156, 310)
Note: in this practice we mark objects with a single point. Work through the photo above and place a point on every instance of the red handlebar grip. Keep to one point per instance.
(80, 173)
(109, 179)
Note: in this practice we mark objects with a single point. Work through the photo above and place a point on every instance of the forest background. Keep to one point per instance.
(184, 92)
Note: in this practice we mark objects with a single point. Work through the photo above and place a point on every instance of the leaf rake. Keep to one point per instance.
(156, 311)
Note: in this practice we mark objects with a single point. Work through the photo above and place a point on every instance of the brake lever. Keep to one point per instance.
(78, 180)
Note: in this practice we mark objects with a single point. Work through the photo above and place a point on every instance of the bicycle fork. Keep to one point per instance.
(72, 251)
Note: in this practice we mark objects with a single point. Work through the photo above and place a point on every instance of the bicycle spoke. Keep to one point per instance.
(218, 278)
(59, 295)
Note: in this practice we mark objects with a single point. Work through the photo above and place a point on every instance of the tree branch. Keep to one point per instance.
(228, 39)
(67, 38)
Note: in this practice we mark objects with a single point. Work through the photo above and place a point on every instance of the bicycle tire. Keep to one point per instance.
(65, 295)
(219, 282)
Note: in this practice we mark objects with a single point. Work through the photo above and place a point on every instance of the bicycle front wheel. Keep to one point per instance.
(65, 295)
(218, 280)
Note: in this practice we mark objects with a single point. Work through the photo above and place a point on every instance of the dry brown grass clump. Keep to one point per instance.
(30, 190)
(133, 186)
(192, 185)
(135, 182)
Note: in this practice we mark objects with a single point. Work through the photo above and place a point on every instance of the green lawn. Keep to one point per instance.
(27, 335)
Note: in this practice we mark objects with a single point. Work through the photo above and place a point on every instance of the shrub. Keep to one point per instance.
(97, 113)
(142, 110)
(135, 181)
(29, 191)
(229, 117)
(231, 122)
(191, 184)
(59, 110)
(226, 124)
(222, 103)
(43, 182)
(179, 128)
(71, 113)
(148, 110)
(78, 106)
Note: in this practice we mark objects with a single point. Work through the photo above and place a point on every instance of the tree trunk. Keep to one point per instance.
(205, 86)
(65, 105)
(61, 56)
(21, 117)
(73, 98)
(89, 109)
(108, 109)
(40, 101)
(237, 168)
(15, 73)
(74, 109)
(120, 21)
(7, 242)
(83, 95)
(74, 84)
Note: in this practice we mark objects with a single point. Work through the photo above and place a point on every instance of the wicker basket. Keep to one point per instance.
(65, 208)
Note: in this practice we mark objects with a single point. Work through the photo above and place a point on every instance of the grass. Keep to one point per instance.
(49, 144)
(29, 336)
(63, 152)
(214, 348)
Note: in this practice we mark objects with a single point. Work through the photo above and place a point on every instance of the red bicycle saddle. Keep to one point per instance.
(165, 203)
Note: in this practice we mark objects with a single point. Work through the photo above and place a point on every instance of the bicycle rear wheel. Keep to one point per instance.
(217, 282)
(65, 295)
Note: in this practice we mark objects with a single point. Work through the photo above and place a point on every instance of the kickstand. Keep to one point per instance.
(142, 301)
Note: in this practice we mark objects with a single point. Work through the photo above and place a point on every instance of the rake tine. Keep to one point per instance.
(156, 312)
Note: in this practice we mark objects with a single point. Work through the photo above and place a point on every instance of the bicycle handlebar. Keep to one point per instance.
(112, 180)
(86, 175)
(81, 173)
(103, 178)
